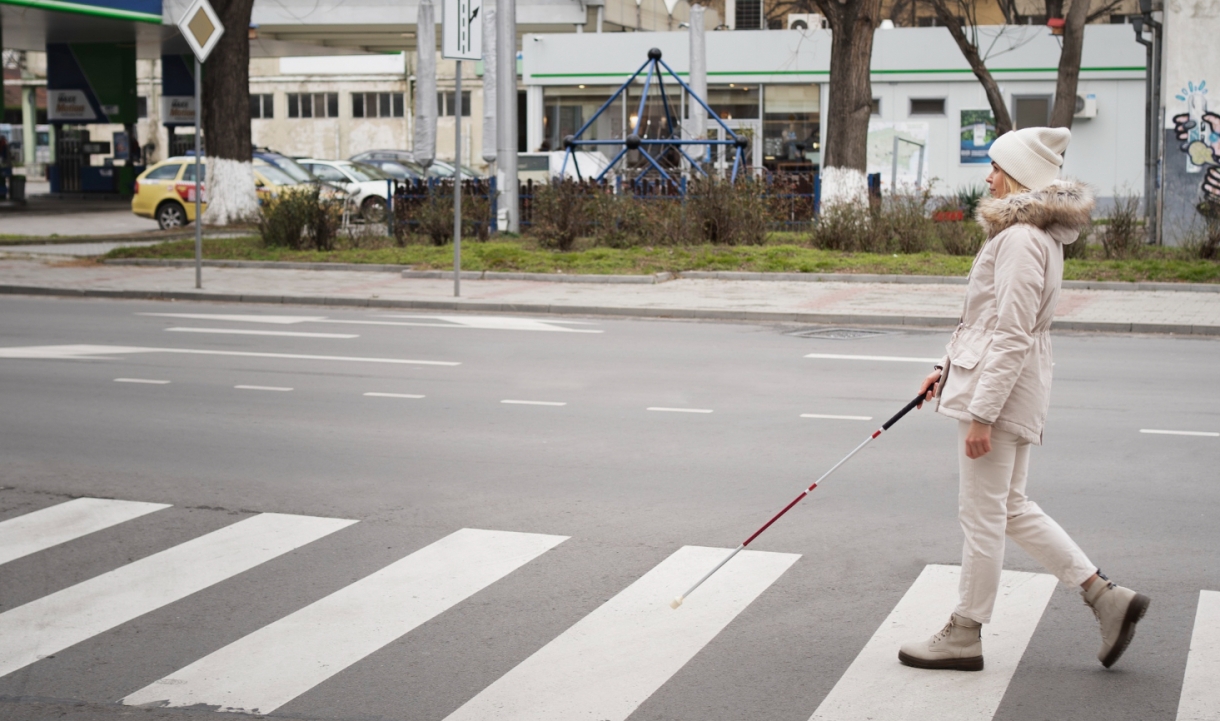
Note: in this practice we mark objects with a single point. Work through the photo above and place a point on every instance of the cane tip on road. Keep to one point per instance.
(676, 602)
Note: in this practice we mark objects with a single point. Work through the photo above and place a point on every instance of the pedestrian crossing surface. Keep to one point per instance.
(604, 666)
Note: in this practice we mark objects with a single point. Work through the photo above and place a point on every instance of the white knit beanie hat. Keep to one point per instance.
(1032, 156)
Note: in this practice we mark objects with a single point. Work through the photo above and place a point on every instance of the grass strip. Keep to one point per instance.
(518, 256)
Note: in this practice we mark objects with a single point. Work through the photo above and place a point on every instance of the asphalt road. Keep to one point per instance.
(627, 486)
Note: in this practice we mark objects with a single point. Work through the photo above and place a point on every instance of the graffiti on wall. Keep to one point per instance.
(1199, 130)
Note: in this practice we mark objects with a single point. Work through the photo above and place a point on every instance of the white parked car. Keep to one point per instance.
(366, 185)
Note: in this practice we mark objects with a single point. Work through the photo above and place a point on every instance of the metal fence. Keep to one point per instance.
(793, 198)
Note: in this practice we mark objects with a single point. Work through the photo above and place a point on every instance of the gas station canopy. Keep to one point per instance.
(278, 29)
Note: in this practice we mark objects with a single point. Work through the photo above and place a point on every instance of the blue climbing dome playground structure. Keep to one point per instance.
(654, 150)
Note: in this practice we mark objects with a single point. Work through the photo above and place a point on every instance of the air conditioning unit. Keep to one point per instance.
(1086, 106)
(804, 21)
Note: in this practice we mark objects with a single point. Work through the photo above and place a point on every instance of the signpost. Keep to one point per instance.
(201, 28)
(461, 39)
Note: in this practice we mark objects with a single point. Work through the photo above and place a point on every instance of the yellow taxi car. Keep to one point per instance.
(166, 191)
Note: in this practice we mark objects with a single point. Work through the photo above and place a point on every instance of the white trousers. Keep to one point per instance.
(992, 503)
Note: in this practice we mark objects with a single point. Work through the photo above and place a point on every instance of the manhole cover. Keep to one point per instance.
(839, 333)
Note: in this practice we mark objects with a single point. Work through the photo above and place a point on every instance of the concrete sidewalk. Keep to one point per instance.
(1141, 311)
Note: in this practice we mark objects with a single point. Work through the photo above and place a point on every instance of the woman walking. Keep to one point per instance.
(995, 381)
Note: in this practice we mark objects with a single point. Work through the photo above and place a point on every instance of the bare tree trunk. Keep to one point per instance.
(852, 25)
(1003, 121)
(1069, 65)
(226, 118)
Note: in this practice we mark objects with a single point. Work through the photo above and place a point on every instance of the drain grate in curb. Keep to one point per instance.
(839, 333)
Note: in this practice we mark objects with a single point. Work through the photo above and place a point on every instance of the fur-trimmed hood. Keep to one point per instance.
(1062, 209)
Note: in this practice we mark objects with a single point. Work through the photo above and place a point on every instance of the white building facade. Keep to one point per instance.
(774, 85)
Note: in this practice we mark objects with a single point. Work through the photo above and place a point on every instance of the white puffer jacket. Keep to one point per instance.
(999, 359)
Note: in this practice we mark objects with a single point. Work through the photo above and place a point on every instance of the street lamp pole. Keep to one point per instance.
(506, 100)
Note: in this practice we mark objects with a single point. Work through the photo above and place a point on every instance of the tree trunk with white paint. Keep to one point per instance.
(852, 24)
(229, 182)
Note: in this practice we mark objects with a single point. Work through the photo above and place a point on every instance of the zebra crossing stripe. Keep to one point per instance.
(610, 661)
(63, 522)
(55, 622)
(1200, 699)
(877, 686)
(270, 667)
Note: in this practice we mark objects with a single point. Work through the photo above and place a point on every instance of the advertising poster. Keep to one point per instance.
(978, 133)
(881, 152)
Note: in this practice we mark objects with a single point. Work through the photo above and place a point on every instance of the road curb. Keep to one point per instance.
(622, 312)
(407, 272)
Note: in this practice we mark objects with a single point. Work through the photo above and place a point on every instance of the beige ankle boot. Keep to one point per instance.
(958, 647)
(1118, 609)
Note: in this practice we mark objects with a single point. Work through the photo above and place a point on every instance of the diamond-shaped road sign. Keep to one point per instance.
(462, 33)
(201, 28)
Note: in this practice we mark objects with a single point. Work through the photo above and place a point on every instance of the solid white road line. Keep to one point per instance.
(55, 622)
(472, 321)
(680, 410)
(392, 395)
(877, 686)
(896, 358)
(607, 664)
(262, 388)
(1206, 434)
(283, 333)
(274, 319)
(64, 522)
(837, 418)
(100, 352)
(1200, 699)
(275, 664)
(535, 403)
(141, 380)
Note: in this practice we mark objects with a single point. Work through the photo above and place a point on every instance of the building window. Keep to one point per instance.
(377, 105)
(791, 127)
(748, 15)
(445, 104)
(1031, 111)
(876, 106)
(141, 107)
(568, 108)
(262, 106)
(734, 102)
(927, 106)
(313, 105)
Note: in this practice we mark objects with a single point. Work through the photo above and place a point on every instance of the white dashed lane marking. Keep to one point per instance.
(392, 395)
(534, 403)
(894, 358)
(150, 381)
(1158, 432)
(263, 388)
(836, 418)
(280, 333)
(680, 410)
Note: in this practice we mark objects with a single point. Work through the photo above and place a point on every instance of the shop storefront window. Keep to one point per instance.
(792, 127)
(734, 102)
(567, 109)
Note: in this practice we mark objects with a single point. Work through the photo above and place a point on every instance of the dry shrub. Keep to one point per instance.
(427, 210)
(301, 220)
(1122, 236)
(561, 213)
(963, 237)
(843, 226)
(1080, 248)
(902, 223)
(724, 213)
(1204, 243)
